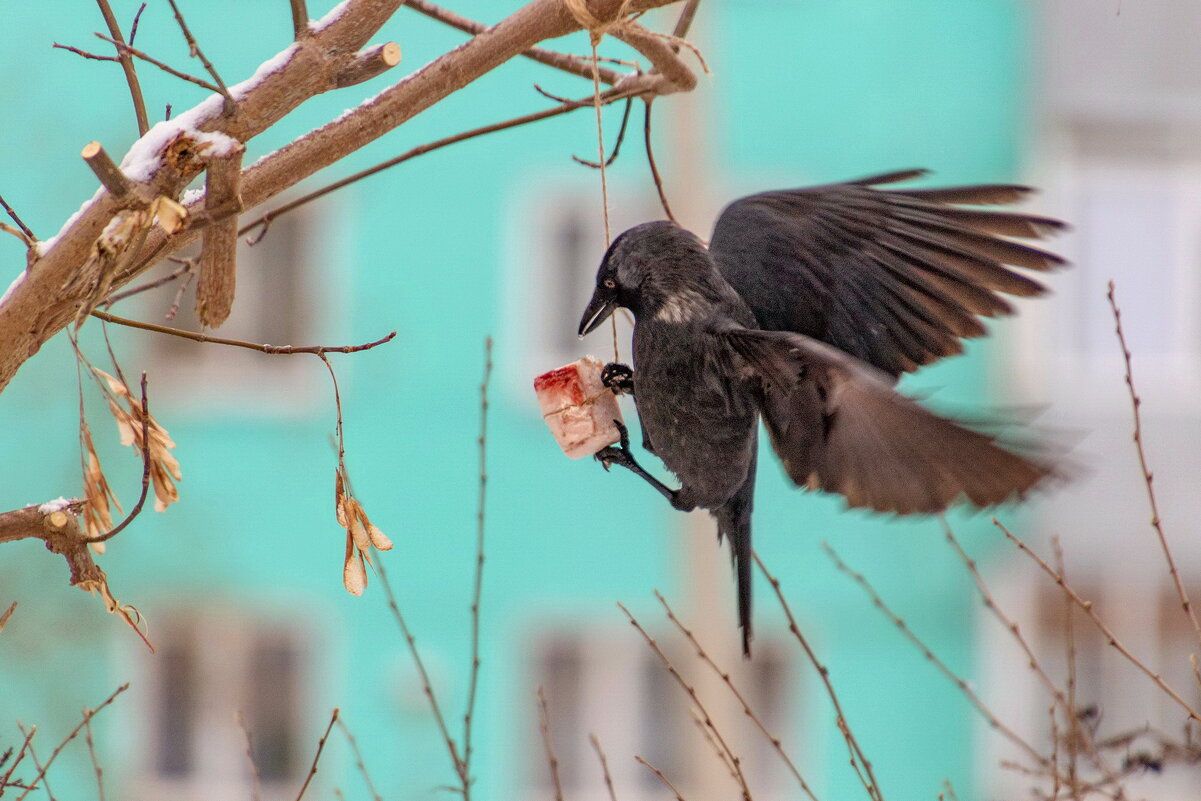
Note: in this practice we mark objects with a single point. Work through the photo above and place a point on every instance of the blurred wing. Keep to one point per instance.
(838, 426)
(895, 277)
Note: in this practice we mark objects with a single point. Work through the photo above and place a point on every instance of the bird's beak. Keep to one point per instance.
(599, 308)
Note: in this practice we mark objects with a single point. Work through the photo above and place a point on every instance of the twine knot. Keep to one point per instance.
(595, 26)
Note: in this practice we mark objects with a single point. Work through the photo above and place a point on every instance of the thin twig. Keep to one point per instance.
(133, 28)
(699, 722)
(568, 63)
(4, 618)
(687, 14)
(131, 74)
(196, 52)
(317, 756)
(136, 53)
(1110, 637)
(85, 53)
(621, 135)
(18, 233)
(426, 686)
(4, 780)
(88, 715)
(650, 159)
(734, 760)
(20, 224)
(275, 350)
(186, 266)
(137, 509)
(359, 764)
(87, 737)
(1148, 477)
(1069, 705)
(33, 754)
(256, 779)
(473, 681)
(729, 682)
(300, 19)
(552, 761)
(953, 677)
(604, 763)
(421, 150)
(661, 777)
(859, 760)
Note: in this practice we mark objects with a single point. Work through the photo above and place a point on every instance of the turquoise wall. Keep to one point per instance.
(811, 91)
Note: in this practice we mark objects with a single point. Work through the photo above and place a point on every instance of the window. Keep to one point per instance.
(611, 684)
(210, 670)
(557, 246)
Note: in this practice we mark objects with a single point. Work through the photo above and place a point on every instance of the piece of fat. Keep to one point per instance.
(579, 409)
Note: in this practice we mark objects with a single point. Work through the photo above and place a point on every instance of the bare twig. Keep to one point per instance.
(573, 64)
(196, 52)
(473, 681)
(4, 780)
(85, 53)
(953, 677)
(684, 22)
(359, 764)
(133, 28)
(650, 159)
(186, 267)
(859, 760)
(604, 763)
(317, 756)
(621, 135)
(703, 655)
(734, 760)
(552, 761)
(20, 224)
(300, 19)
(87, 715)
(167, 68)
(1110, 637)
(661, 777)
(276, 350)
(18, 233)
(131, 74)
(256, 779)
(33, 754)
(699, 722)
(1148, 477)
(8, 613)
(87, 737)
(426, 686)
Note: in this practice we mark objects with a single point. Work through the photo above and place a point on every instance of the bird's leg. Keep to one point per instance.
(618, 377)
(621, 455)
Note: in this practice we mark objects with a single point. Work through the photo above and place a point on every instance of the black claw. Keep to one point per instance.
(618, 377)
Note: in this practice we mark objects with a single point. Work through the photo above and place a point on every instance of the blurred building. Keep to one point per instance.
(500, 236)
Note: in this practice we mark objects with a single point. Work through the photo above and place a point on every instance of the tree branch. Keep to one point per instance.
(39, 307)
(131, 74)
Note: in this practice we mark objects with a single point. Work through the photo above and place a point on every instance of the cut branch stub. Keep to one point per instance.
(106, 170)
(218, 253)
(368, 63)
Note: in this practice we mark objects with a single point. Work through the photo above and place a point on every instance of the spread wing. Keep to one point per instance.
(895, 277)
(838, 425)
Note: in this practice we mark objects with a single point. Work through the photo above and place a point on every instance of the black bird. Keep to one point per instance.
(804, 309)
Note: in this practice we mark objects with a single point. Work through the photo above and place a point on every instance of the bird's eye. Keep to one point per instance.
(610, 283)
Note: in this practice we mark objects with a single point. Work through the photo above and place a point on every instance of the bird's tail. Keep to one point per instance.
(734, 521)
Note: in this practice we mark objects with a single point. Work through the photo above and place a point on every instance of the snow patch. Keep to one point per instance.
(331, 16)
(44, 246)
(56, 505)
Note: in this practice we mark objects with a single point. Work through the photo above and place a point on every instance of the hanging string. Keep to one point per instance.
(597, 28)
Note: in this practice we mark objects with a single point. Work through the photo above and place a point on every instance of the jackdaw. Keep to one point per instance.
(804, 309)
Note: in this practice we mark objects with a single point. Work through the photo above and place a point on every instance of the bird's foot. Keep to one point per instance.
(620, 455)
(618, 377)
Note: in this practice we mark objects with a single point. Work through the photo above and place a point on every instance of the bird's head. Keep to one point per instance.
(639, 270)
